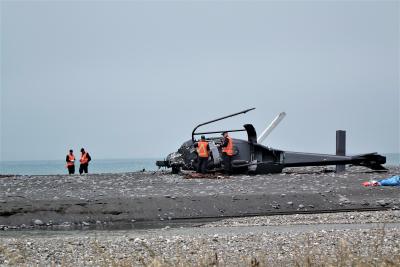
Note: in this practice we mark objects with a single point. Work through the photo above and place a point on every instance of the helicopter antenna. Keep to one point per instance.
(271, 127)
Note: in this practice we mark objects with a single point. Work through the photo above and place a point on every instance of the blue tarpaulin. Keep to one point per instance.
(392, 181)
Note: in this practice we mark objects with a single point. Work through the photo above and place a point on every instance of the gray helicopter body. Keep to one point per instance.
(253, 158)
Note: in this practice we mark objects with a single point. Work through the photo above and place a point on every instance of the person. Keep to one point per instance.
(85, 158)
(227, 152)
(202, 154)
(70, 162)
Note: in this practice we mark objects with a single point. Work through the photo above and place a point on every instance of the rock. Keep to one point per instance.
(215, 238)
(383, 202)
(365, 203)
(38, 222)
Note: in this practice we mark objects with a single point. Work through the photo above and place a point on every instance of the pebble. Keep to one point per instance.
(38, 222)
(383, 202)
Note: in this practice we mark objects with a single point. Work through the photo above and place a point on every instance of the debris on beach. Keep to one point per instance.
(390, 181)
(195, 175)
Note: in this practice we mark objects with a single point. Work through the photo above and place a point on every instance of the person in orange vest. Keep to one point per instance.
(85, 158)
(70, 162)
(203, 152)
(227, 152)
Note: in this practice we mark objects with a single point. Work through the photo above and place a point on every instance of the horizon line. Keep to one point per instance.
(145, 158)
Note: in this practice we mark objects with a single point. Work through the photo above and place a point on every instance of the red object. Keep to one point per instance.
(374, 183)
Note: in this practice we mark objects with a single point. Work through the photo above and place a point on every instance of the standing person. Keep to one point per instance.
(227, 152)
(70, 162)
(85, 158)
(202, 153)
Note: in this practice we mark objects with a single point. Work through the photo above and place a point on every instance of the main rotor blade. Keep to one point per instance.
(271, 127)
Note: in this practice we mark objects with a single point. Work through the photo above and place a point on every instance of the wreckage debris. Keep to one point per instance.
(252, 157)
(195, 175)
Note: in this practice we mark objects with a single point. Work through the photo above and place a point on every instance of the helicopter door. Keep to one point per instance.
(215, 153)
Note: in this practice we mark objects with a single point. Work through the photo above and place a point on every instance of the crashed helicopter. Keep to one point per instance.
(251, 157)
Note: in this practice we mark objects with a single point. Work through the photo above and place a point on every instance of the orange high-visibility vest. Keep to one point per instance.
(70, 158)
(229, 148)
(84, 158)
(202, 149)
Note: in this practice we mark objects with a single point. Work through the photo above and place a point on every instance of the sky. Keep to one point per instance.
(131, 79)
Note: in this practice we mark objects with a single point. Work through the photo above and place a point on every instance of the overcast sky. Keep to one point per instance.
(131, 79)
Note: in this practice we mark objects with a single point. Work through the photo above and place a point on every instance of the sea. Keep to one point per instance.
(50, 167)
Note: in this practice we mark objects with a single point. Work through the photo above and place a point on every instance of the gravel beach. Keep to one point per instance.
(339, 239)
(141, 197)
(167, 220)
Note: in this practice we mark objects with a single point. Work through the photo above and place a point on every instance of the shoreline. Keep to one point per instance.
(109, 166)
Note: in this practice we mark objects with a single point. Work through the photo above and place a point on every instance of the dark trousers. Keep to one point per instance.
(71, 169)
(227, 161)
(83, 168)
(202, 167)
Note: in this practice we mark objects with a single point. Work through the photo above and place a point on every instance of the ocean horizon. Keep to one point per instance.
(50, 167)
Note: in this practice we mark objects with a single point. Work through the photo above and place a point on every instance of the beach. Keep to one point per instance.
(161, 219)
(162, 196)
(338, 239)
